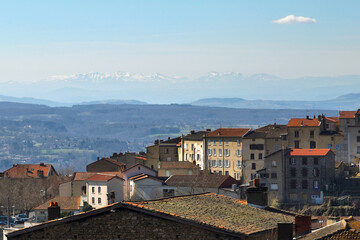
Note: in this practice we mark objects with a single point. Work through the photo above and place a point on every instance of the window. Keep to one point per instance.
(253, 166)
(316, 184)
(226, 172)
(337, 147)
(293, 184)
(213, 163)
(238, 152)
(274, 175)
(296, 144)
(220, 172)
(304, 184)
(93, 200)
(168, 193)
(358, 150)
(214, 142)
(284, 137)
(197, 157)
(209, 152)
(316, 172)
(220, 142)
(186, 146)
(227, 163)
(238, 142)
(274, 186)
(227, 152)
(304, 161)
(193, 157)
(292, 161)
(260, 155)
(219, 163)
(190, 172)
(167, 173)
(316, 161)
(252, 156)
(293, 172)
(220, 152)
(256, 146)
(192, 146)
(214, 152)
(304, 172)
(238, 164)
(166, 150)
(186, 156)
(209, 142)
(93, 189)
(312, 134)
(276, 148)
(99, 200)
(312, 144)
(99, 189)
(296, 134)
(358, 138)
(330, 146)
(273, 163)
(226, 142)
(168, 159)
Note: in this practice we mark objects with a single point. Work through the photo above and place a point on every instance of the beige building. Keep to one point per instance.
(162, 151)
(224, 151)
(259, 143)
(350, 147)
(192, 148)
(320, 132)
(299, 175)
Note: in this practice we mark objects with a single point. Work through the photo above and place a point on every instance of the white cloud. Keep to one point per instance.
(294, 19)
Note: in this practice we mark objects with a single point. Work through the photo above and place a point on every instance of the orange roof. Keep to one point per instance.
(309, 152)
(141, 158)
(143, 176)
(100, 178)
(228, 132)
(81, 176)
(179, 144)
(28, 170)
(332, 119)
(347, 114)
(303, 122)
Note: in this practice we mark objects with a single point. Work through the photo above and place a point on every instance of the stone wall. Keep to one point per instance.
(127, 224)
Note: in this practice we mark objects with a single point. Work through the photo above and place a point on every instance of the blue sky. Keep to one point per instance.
(39, 39)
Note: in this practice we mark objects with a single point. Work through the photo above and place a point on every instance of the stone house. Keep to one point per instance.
(203, 216)
(259, 143)
(298, 175)
(162, 151)
(224, 151)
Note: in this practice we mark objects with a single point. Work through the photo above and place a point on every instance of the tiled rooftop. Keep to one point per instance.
(202, 180)
(303, 122)
(28, 170)
(65, 203)
(100, 178)
(217, 211)
(228, 132)
(347, 114)
(309, 152)
(172, 165)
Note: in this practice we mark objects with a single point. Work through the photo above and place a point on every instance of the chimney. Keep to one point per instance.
(302, 224)
(156, 142)
(98, 158)
(307, 117)
(257, 195)
(285, 231)
(192, 132)
(53, 211)
(161, 141)
(42, 164)
(208, 129)
(168, 138)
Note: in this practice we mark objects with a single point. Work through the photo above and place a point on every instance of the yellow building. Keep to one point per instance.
(162, 151)
(224, 151)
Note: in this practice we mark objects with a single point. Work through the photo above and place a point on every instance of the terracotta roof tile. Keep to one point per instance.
(100, 178)
(228, 132)
(65, 203)
(143, 176)
(303, 122)
(171, 165)
(217, 211)
(347, 114)
(309, 152)
(28, 170)
(81, 176)
(141, 158)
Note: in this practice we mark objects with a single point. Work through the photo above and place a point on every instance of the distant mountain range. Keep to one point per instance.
(344, 102)
(156, 88)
